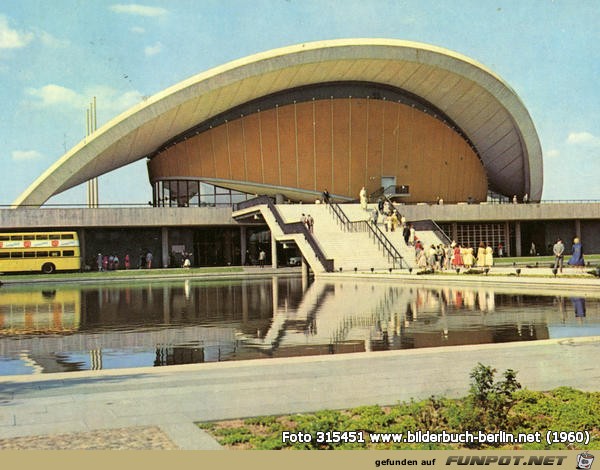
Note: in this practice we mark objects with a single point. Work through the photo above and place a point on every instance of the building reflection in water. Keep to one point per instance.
(156, 324)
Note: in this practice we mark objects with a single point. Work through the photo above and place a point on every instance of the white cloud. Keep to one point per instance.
(153, 50)
(138, 30)
(583, 138)
(553, 153)
(137, 9)
(113, 101)
(108, 100)
(22, 155)
(52, 41)
(11, 38)
(54, 95)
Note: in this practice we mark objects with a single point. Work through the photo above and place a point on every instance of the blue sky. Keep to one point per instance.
(55, 56)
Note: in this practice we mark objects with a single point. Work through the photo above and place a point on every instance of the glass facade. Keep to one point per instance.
(193, 193)
(474, 233)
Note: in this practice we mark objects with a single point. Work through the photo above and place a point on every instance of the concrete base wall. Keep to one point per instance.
(554, 220)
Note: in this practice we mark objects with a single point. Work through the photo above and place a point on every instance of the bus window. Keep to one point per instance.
(16, 254)
(68, 253)
(4, 238)
(54, 236)
(41, 237)
(42, 254)
(67, 236)
(28, 237)
(5, 254)
(55, 253)
(29, 254)
(16, 237)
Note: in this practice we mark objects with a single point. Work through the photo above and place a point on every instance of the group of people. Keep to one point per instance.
(113, 263)
(576, 259)
(525, 199)
(392, 219)
(308, 222)
(453, 256)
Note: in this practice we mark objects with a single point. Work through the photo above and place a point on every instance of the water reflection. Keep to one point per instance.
(155, 324)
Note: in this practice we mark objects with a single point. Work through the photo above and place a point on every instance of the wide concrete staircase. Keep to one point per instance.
(348, 249)
(340, 241)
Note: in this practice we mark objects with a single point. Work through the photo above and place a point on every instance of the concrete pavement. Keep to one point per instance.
(175, 397)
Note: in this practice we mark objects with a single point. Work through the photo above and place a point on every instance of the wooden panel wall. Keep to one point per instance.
(339, 144)
(287, 145)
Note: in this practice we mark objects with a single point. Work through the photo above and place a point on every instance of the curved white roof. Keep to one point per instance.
(475, 98)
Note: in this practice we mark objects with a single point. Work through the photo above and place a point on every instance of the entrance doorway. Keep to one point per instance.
(217, 247)
(388, 183)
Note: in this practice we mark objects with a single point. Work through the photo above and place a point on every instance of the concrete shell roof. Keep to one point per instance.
(475, 98)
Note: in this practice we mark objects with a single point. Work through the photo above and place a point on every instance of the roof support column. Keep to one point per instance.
(165, 246)
(273, 252)
(518, 238)
(506, 238)
(243, 246)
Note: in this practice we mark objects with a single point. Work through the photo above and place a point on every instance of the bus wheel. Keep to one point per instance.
(48, 268)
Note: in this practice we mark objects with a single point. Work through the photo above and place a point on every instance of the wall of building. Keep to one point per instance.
(114, 217)
(338, 144)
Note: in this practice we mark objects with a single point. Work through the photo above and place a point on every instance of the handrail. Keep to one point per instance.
(289, 228)
(383, 241)
(378, 235)
(341, 216)
(431, 226)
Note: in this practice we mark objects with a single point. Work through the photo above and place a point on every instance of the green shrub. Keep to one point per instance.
(488, 406)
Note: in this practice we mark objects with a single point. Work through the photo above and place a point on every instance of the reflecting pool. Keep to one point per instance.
(109, 326)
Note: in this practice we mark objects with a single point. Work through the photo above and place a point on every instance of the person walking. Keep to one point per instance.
(467, 256)
(149, 260)
(577, 256)
(406, 234)
(310, 223)
(394, 219)
(304, 220)
(481, 255)
(489, 256)
(457, 260)
(261, 258)
(374, 216)
(99, 262)
(559, 253)
(363, 198)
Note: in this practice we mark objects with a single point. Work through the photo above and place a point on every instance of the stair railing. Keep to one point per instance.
(431, 226)
(289, 228)
(373, 230)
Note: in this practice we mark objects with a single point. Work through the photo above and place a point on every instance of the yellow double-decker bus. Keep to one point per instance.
(39, 251)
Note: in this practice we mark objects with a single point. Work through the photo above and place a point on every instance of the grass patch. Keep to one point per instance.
(541, 260)
(123, 273)
(491, 406)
